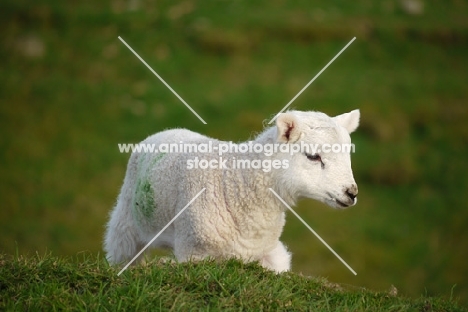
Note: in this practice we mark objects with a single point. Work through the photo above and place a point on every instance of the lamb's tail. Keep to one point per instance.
(122, 240)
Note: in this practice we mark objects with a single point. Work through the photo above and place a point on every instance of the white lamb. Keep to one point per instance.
(237, 215)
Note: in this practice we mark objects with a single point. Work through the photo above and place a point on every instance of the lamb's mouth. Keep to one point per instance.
(338, 202)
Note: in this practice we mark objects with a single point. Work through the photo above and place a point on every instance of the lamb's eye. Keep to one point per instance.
(315, 157)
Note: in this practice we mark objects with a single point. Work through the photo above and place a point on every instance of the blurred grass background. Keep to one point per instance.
(70, 91)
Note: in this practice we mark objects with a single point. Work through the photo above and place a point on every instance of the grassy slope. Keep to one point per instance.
(63, 112)
(87, 283)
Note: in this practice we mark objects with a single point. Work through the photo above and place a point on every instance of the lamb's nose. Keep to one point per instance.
(352, 191)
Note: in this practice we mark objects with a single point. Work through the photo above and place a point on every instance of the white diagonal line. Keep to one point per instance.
(310, 82)
(313, 232)
(160, 232)
(162, 80)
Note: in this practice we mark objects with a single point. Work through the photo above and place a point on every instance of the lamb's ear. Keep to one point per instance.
(349, 121)
(288, 128)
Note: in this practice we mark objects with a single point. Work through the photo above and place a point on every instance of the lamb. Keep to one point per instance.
(236, 216)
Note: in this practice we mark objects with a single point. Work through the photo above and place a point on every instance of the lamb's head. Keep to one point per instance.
(323, 172)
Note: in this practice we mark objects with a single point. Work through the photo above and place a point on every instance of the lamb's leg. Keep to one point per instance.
(279, 259)
(184, 250)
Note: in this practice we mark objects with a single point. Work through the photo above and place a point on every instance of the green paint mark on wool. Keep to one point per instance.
(144, 202)
(144, 199)
(157, 158)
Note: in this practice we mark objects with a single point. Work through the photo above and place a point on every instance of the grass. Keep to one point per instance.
(70, 92)
(86, 282)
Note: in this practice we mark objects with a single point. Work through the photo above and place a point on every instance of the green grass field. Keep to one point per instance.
(70, 91)
(85, 283)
